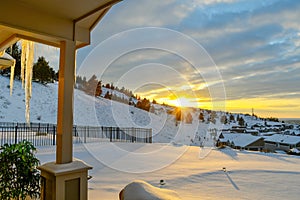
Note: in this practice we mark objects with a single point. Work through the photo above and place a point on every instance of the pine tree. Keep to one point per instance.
(178, 114)
(241, 121)
(201, 117)
(15, 52)
(231, 118)
(189, 118)
(224, 119)
(107, 85)
(42, 72)
(91, 86)
(144, 104)
(98, 89)
(107, 95)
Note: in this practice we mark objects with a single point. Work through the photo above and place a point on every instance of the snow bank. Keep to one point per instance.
(140, 190)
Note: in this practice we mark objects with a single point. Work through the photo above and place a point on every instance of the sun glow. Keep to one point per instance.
(185, 102)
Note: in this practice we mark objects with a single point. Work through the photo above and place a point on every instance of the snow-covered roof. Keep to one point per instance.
(6, 60)
(286, 139)
(267, 133)
(295, 150)
(251, 131)
(241, 140)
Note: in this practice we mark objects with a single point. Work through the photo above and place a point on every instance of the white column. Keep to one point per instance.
(64, 145)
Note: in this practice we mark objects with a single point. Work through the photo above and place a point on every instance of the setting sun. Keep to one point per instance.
(185, 102)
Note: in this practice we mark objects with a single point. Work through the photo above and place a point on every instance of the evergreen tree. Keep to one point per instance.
(42, 72)
(213, 117)
(224, 119)
(178, 115)
(188, 118)
(98, 89)
(231, 118)
(201, 117)
(15, 52)
(241, 121)
(112, 87)
(107, 95)
(91, 86)
(144, 104)
(107, 86)
(81, 82)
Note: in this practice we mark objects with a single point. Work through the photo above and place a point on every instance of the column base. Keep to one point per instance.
(64, 181)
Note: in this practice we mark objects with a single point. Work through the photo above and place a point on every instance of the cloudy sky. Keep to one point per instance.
(242, 54)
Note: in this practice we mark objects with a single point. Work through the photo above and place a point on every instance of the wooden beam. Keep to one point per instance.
(104, 6)
(99, 18)
(8, 42)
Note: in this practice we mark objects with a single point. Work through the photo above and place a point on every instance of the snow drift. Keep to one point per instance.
(141, 190)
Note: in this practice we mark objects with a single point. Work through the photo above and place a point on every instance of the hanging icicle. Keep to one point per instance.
(24, 46)
(12, 74)
(26, 73)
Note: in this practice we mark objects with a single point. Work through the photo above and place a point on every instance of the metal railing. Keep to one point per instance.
(45, 134)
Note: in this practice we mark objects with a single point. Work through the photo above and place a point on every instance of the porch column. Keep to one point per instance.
(66, 178)
(64, 145)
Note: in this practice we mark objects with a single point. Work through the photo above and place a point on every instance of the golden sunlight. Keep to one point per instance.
(185, 102)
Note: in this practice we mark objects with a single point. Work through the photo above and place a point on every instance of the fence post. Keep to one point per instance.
(39, 127)
(85, 134)
(110, 134)
(133, 139)
(118, 133)
(150, 135)
(54, 133)
(16, 134)
(88, 132)
(47, 129)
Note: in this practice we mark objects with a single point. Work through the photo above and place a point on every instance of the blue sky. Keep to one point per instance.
(255, 45)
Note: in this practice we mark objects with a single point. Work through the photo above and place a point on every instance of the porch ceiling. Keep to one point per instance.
(50, 21)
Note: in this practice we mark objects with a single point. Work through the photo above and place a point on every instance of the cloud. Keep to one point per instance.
(51, 54)
(255, 49)
(255, 44)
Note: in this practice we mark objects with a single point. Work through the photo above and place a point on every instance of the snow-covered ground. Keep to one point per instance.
(193, 172)
(249, 175)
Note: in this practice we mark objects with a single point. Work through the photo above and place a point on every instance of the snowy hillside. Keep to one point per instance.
(92, 111)
(98, 111)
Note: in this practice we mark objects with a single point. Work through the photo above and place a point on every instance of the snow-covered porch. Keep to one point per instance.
(67, 25)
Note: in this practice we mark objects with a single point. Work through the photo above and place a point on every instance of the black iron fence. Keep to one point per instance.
(45, 134)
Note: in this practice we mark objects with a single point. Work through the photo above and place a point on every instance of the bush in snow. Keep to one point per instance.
(18, 173)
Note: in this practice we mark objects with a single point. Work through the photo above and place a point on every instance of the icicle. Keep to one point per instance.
(27, 57)
(12, 74)
(24, 47)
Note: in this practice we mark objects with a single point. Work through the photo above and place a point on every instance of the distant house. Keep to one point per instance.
(267, 133)
(252, 131)
(238, 129)
(282, 142)
(241, 141)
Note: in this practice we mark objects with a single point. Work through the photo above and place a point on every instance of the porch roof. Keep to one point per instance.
(50, 21)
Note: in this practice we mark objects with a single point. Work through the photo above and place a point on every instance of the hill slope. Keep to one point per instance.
(97, 111)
